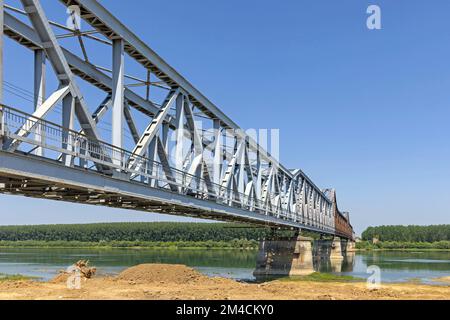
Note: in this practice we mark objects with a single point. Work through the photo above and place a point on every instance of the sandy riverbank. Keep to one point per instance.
(443, 280)
(153, 282)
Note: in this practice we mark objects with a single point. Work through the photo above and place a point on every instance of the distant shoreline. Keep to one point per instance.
(403, 246)
(187, 245)
(403, 249)
(192, 245)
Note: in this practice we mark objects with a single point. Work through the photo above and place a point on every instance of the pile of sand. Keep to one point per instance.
(60, 278)
(83, 269)
(161, 273)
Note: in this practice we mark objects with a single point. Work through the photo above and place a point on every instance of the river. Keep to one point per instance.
(45, 263)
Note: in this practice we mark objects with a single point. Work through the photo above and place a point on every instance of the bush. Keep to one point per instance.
(368, 245)
(417, 234)
(133, 232)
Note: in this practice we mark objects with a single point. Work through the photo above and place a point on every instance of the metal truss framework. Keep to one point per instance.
(197, 163)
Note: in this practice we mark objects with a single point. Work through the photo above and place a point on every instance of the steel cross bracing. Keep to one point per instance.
(171, 152)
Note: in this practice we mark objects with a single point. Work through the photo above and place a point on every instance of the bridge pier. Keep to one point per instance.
(336, 249)
(328, 249)
(328, 254)
(299, 256)
(350, 246)
(285, 257)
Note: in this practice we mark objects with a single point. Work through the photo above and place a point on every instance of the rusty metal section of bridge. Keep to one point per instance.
(188, 159)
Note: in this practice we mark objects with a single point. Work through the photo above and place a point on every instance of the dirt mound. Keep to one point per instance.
(60, 278)
(162, 273)
(81, 268)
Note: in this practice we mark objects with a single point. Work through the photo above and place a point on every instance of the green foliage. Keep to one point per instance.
(15, 277)
(234, 244)
(417, 234)
(323, 277)
(123, 234)
(397, 245)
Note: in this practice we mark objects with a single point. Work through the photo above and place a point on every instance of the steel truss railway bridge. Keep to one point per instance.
(186, 157)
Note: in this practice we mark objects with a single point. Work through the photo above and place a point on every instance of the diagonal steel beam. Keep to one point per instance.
(200, 169)
(166, 165)
(151, 131)
(102, 109)
(56, 57)
(130, 123)
(229, 174)
(31, 123)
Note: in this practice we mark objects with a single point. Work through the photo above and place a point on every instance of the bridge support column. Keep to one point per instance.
(285, 257)
(348, 247)
(336, 249)
(328, 255)
(351, 246)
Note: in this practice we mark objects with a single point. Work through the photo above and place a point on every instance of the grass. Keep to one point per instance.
(15, 277)
(232, 245)
(323, 277)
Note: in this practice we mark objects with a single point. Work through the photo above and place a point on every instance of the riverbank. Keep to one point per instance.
(401, 250)
(443, 280)
(191, 245)
(173, 282)
(403, 246)
(233, 244)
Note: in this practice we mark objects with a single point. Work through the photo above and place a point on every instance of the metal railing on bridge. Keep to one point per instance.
(74, 149)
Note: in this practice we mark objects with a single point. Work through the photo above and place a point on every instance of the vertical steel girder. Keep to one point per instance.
(39, 91)
(118, 98)
(68, 121)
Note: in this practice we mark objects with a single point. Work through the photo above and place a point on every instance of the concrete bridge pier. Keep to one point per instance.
(299, 256)
(348, 252)
(350, 246)
(329, 249)
(336, 252)
(328, 254)
(285, 257)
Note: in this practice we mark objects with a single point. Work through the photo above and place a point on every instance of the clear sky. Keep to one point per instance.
(364, 111)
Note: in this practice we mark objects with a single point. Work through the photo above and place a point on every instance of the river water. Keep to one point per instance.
(46, 263)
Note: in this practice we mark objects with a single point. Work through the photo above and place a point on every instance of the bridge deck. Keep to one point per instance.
(30, 176)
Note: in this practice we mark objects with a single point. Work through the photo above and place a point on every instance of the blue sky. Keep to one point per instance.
(365, 112)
